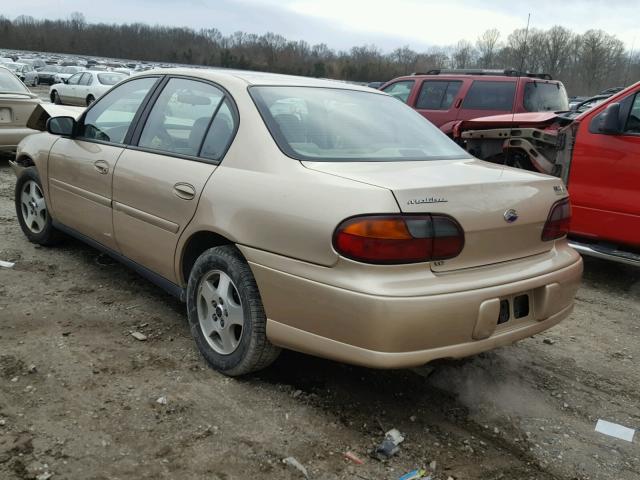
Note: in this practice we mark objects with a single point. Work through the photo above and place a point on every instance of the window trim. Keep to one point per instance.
(134, 120)
(635, 96)
(144, 116)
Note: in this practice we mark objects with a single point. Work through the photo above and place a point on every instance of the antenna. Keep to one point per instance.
(524, 45)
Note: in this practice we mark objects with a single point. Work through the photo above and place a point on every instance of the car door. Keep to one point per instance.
(488, 97)
(438, 101)
(81, 168)
(67, 92)
(82, 89)
(605, 175)
(158, 180)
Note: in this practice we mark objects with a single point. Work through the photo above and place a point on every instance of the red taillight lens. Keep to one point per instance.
(395, 239)
(557, 225)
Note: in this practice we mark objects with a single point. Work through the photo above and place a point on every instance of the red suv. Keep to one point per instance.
(447, 96)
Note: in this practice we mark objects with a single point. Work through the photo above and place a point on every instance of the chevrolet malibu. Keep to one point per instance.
(304, 214)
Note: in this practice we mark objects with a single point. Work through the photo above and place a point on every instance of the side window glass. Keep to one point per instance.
(486, 95)
(400, 90)
(85, 80)
(179, 119)
(109, 119)
(437, 95)
(220, 133)
(633, 121)
(74, 79)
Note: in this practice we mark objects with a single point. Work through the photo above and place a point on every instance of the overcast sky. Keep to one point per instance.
(342, 24)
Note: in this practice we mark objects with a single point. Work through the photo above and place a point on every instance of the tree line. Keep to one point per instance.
(586, 63)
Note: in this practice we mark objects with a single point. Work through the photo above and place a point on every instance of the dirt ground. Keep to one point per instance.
(79, 395)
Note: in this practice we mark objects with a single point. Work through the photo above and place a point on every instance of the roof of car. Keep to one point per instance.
(258, 78)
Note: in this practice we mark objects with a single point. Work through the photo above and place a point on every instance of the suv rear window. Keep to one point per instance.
(545, 97)
(487, 95)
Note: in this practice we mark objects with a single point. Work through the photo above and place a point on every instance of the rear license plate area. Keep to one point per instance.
(5, 115)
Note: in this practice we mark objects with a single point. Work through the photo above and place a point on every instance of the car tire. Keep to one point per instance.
(36, 81)
(90, 99)
(32, 211)
(55, 98)
(221, 293)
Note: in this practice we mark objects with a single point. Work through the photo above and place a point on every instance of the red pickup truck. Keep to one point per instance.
(596, 153)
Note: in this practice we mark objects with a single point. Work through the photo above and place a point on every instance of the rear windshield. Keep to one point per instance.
(10, 83)
(545, 97)
(110, 78)
(336, 125)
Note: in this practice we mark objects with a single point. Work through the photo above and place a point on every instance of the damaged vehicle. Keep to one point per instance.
(447, 96)
(596, 152)
(306, 214)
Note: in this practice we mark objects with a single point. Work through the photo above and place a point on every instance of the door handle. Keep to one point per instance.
(184, 191)
(101, 166)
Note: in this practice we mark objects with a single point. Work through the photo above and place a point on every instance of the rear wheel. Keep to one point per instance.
(31, 209)
(226, 315)
(36, 81)
(90, 100)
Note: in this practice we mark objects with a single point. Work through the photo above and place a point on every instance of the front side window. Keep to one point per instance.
(400, 90)
(73, 80)
(340, 125)
(545, 97)
(180, 117)
(633, 121)
(487, 95)
(437, 94)
(110, 118)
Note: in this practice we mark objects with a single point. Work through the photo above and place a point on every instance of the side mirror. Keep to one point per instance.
(64, 126)
(610, 121)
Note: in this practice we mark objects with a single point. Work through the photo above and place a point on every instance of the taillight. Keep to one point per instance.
(396, 239)
(557, 225)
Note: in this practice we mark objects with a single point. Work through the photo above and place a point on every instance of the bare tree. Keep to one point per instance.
(487, 45)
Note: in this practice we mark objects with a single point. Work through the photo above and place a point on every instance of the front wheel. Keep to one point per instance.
(31, 209)
(55, 98)
(226, 315)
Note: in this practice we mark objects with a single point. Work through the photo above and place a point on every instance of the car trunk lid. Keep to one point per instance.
(502, 210)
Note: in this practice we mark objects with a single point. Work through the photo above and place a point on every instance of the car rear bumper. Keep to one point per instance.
(396, 332)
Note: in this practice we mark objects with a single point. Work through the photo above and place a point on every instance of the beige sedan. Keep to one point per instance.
(16, 106)
(304, 214)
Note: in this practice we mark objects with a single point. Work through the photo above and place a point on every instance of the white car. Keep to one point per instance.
(85, 87)
(66, 73)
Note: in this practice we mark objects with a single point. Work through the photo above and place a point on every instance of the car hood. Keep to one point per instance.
(44, 111)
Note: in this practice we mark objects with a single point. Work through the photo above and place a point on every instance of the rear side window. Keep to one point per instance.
(179, 119)
(437, 94)
(400, 90)
(86, 79)
(487, 95)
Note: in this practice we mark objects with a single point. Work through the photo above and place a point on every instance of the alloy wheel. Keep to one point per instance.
(220, 312)
(34, 208)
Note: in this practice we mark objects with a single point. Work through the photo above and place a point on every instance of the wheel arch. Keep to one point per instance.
(193, 247)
